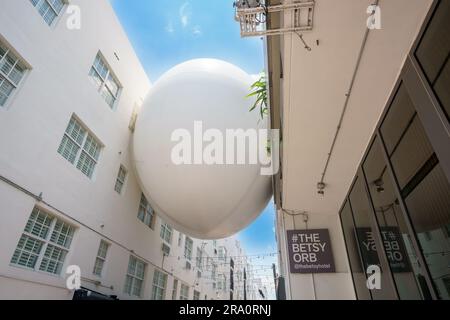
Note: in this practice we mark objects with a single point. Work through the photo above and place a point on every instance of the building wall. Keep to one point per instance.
(33, 174)
(321, 103)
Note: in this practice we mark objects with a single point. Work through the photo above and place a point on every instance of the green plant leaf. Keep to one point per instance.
(259, 89)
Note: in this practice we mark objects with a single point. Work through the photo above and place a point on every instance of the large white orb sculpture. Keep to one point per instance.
(207, 201)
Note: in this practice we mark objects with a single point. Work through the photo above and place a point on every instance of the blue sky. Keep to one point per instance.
(166, 33)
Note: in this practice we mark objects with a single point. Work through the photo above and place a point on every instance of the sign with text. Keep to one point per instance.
(393, 245)
(310, 251)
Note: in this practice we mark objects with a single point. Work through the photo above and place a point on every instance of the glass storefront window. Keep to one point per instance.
(434, 51)
(405, 138)
(428, 205)
(407, 273)
(423, 186)
(356, 265)
(360, 206)
(413, 220)
(398, 119)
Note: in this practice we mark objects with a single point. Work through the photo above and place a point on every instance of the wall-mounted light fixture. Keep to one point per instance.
(321, 188)
(379, 184)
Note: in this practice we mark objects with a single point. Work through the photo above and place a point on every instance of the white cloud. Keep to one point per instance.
(197, 31)
(169, 27)
(185, 14)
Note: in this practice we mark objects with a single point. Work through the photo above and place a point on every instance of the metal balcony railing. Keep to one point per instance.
(253, 20)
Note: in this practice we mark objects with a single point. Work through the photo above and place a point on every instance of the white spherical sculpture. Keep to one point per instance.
(206, 201)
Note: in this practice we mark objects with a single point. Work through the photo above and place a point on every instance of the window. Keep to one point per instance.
(45, 242)
(428, 205)
(365, 233)
(446, 230)
(446, 282)
(135, 277)
(101, 258)
(180, 239)
(433, 54)
(423, 186)
(146, 213)
(48, 9)
(222, 254)
(104, 80)
(81, 147)
(196, 295)
(214, 272)
(209, 263)
(393, 227)
(221, 282)
(198, 258)
(184, 292)
(159, 285)
(357, 269)
(174, 289)
(120, 181)
(188, 248)
(166, 233)
(11, 72)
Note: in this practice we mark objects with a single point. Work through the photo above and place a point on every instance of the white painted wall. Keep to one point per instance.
(31, 128)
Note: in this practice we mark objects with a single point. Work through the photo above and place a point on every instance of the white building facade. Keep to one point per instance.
(69, 97)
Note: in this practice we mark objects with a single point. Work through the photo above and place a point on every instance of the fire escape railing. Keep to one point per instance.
(253, 20)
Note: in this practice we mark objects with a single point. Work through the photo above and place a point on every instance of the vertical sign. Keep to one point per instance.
(310, 251)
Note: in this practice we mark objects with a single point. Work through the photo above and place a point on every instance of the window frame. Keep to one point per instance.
(166, 229)
(188, 248)
(196, 296)
(148, 212)
(221, 282)
(180, 239)
(222, 253)
(134, 277)
(157, 289)
(105, 79)
(184, 295)
(174, 289)
(103, 259)
(199, 259)
(421, 70)
(45, 243)
(57, 16)
(82, 146)
(119, 181)
(214, 271)
(18, 61)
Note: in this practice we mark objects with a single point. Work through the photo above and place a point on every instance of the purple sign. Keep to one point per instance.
(310, 251)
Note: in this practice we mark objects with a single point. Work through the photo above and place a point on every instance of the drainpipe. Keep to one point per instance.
(347, 99)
